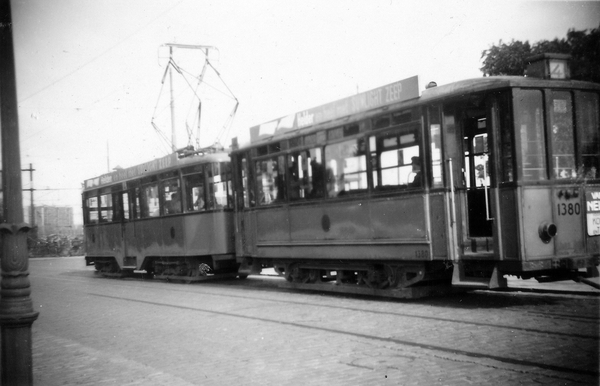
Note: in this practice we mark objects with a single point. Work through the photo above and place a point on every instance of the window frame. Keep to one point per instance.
(144, 207)
(584, 168)
(520, 150)
(88, 197)
(554, 164)
(375, 156)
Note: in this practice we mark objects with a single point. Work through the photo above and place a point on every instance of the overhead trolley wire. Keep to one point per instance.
(100, 55)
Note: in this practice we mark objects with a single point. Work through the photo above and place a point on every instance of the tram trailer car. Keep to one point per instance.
(171, 217)
(393, 193)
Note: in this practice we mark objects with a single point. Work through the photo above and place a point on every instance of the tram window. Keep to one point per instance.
(249, 200)
(346, 167)
(396, 159)
(530, 122)
(381, 122)
(306, 174)
(219, 186)
(125, 201)
(480, 162)
(92, 207)
(588, 135)
(224, 188)
(506, 139)
(562, 136)
(401, 117)
(194, 192)
(106, 208)
(135, 204)
(351, 130)
(117, 203)
(270, 180)
(149, 201)
(171, 196)
(436, 154)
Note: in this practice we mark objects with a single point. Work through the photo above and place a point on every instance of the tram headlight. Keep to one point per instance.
(547, 231)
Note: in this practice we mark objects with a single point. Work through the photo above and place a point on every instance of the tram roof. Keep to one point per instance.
(155, 166)
(398, 95)
(474, 85)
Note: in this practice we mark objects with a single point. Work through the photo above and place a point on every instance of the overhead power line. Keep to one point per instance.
(99, 55)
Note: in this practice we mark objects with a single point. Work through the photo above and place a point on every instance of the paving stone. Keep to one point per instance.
(94, 331)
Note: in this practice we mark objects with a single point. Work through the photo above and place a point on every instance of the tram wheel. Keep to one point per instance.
(314, 276)
(374, 278)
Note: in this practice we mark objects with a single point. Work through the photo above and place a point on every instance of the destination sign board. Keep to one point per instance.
(132, 172)
(592, 204)
(382, 96)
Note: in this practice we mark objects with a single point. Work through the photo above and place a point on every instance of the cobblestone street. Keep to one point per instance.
(93, 330)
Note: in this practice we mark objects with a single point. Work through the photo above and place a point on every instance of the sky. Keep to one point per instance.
(91, 74)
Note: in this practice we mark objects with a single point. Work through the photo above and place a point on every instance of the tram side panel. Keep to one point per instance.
(148, 238)
(535, 206)
(209, 234)
(392, 228)
(554, 227)
(104, 240)
(509, 224)
(172, 236)
(272, 228)
(568, 216)
(438, 212)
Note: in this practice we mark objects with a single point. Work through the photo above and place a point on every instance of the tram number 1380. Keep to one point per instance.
(422, 254)
(569, 209)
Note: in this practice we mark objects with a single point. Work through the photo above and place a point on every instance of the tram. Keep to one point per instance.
(171, 217)
(394, 192)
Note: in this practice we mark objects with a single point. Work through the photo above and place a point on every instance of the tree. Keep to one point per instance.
(510, 59)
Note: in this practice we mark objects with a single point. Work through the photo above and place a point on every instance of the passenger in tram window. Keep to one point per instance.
(416, 169)
(318, 176)
(332, 183)
(295, 181)
(200, 204)
(481, 175)
(174, 205)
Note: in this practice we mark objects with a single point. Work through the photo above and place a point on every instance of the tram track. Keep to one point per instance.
(438, 350)
(495, 331)
(474, 298)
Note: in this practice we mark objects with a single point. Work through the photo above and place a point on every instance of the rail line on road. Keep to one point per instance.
(425, 346)
(242, 284)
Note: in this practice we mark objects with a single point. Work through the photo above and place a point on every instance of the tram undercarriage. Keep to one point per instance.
(185, 269)
(387, 279)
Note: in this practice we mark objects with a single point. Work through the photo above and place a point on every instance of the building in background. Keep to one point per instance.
(53, 220)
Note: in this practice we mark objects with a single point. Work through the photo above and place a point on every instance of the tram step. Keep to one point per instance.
(229, 275)
(472, 282)
(459, 279)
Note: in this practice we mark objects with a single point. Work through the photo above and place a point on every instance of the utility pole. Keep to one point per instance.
(31, 189)
(16, 308)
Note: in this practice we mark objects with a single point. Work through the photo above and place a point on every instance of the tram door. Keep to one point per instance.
(122, 205)
(477, 178)
(468, 123)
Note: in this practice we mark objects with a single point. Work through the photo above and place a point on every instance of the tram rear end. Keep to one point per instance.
(534, 159)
